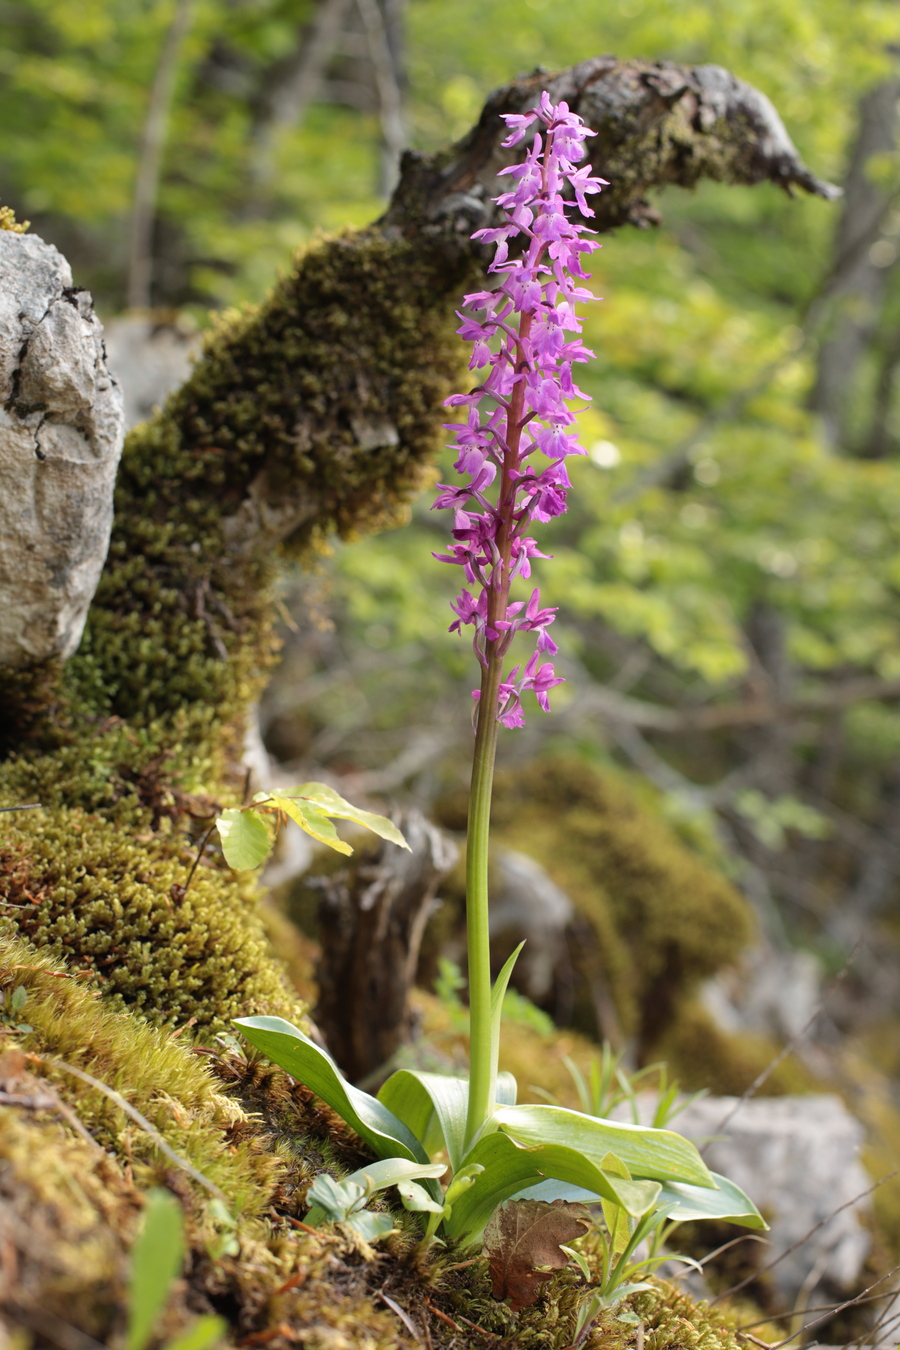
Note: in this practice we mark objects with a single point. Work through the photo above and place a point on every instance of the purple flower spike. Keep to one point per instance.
(526, 332)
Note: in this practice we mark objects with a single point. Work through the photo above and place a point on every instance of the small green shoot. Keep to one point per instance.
(156, 1262)
(12, 1004)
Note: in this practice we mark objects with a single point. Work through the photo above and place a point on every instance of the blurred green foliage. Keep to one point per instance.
(707, 493)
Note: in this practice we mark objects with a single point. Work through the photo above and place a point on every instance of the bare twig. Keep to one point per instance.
(389, 102)
(30, 806)
(55, 1329)
(736, 1288)
(179, 892)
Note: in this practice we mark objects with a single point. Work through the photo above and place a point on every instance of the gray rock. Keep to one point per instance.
(797, 1158)
(527, 903)
(61, 429)
(151, 359)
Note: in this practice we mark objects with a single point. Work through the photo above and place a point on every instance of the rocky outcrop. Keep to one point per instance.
(61, 429)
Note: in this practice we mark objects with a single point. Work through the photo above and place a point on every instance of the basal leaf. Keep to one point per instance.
(617, 1223)
(376, 1176)
(687, 1203)
(286, 1046)
(417, 1199)
(246, 841)
(334, 805)
(656, 1155)
(311, 818)
(506, 1089)
(332, 1200)
(416, 1098)
(509, 1169)
(500, 985)
(370, 1226)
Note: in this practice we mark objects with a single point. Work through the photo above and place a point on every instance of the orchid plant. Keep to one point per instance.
(512, 450)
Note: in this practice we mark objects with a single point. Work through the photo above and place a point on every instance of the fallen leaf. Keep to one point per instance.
(525, 1235)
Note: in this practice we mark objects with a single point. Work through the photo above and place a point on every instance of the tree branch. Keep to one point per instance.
(646, 716)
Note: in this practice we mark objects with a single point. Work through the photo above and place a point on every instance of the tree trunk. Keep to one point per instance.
(861, 273)
(371, 922)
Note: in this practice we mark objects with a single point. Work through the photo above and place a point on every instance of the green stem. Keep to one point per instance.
(481, 1070)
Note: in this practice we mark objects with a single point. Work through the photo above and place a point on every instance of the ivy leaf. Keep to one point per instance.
(245, 839)
(334, 1198)
(523, 1239)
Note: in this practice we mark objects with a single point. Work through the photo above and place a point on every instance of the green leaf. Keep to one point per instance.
(579, 1258)
(246, 841)
(655, 1155)
(376, 1176)
(588, 1308)
(420, 1098)
(310, 818)
(334, 805)
(286, 1046)
(203, 1334)
(685, 1203)
(508, 1169)
(505, 1089)
(617, 1223)
(332, 1200)
(462, 1180)
(623, 1291)
(155, 1261)
(19, 997)
(417, 1199)
(497, 996)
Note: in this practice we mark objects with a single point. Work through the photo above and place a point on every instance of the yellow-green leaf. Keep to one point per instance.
(616, 1218)
(246, 841)
(311, 818)
(333, 804)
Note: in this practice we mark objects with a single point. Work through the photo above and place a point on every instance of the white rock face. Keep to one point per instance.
(61, 431)
(798, 1159)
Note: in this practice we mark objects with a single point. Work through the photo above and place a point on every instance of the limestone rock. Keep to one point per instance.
(798, 1158)
(151, 359)
(61, 430)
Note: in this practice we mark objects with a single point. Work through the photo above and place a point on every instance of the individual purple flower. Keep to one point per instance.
(527, 333)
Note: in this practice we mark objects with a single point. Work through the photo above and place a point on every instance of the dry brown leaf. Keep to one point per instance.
(525, 1235)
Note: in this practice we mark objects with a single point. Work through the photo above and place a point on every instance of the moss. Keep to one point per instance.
(355, 336)
(8, 221)
(70, 1211)
(160, 1076)
(656, 918)
(57, 1196)
(702, 1055)
(106, 900)
(670, 1319)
